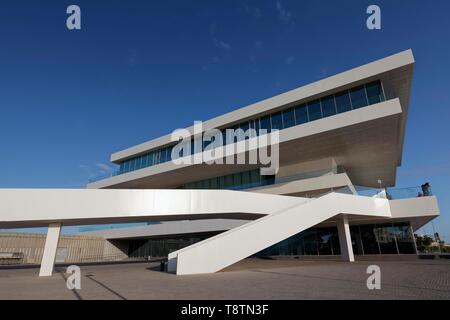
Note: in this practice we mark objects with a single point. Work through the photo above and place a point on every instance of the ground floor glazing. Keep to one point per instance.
(383, 238)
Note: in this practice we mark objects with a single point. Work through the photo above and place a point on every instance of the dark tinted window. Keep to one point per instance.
(245, 126)
(358, 97)
(314, 111)
(328, 106)
(301, 114)
(343, 102)
(253, 128)
(374, 92)
(257, 126)
(163, 155)
(277, 121)
(265, 123)
(288, 118)
(224, 136)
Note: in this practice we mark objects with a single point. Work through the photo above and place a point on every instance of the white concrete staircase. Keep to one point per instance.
(225, 249)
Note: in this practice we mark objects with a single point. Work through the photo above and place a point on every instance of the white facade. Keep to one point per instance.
(323, 161)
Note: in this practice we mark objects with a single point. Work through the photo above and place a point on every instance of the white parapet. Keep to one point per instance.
(277, 217)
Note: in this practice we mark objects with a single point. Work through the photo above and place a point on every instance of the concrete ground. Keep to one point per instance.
(250, 279)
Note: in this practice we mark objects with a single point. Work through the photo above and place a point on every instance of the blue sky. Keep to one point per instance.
(68, 99)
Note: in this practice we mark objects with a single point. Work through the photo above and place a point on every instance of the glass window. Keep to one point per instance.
(169, 153)
(374, 92)
(386, 238)
(335, 241)
(156, 157)
(246, 178)
(164, 155)
(257, 126)
(267, 179)
(343, 102)
(324, 236)
(265, 124)
(221, 182)
(237, 180)
(405, 238)
(228, 181)
(192, 150)
(144, 161)
(131, 165)
(137, 164)
(356, 240)
(245, 126)
(288, 118)
(328, 106)
(224, 136)
(126, 166)
(301, 114)
(150, 159)
(254, 176)
(253, 128)
(277, 121)
(310, 243)
(213, 184)
(358, 97)
(314, 111)
(369, 240)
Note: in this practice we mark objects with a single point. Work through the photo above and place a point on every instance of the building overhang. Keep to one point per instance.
(394, 71)
(364, 141)
(168, 229)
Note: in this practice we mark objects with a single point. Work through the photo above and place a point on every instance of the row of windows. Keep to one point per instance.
(313, 241)
(387, 238)
(344, 101)
(146, 160)
(240, 180)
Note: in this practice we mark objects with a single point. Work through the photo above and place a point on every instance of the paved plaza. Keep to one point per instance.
(250, 279)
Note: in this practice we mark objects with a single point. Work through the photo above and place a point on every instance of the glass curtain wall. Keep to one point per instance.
(314, 241)
(387, 238)
(343, 101)
(143, 248)
(235, 181)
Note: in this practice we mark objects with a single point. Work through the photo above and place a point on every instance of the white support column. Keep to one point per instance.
(345, 240)
(51, 244)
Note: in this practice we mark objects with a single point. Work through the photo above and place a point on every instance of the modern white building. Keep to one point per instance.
(340, 142)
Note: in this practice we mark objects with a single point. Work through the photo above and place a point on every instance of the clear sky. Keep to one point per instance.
(68, 99)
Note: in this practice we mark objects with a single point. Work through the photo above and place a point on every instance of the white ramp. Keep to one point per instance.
(225, 249)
